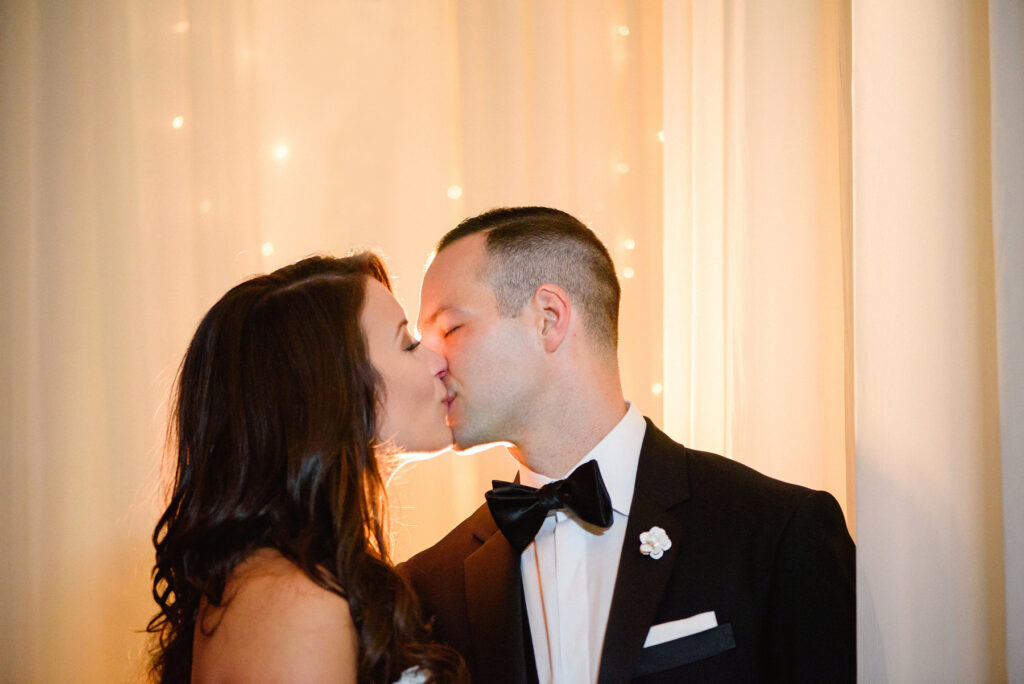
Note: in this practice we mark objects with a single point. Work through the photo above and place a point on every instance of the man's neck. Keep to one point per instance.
(554, 448)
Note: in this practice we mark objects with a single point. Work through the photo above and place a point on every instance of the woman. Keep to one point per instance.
(271, 558)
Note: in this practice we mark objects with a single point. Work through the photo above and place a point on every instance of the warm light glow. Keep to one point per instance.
(180, 27)
(267, 248)
(628, 272)
(280, 151)
(454, 192)
(629, 243)
(406, 458)
(656, 388)
(622, 167)
(178, 122)
(661, 136)
(623, 30)
(481, 447)
(205, 206)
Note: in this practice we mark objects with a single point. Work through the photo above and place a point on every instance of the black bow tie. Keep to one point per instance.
(519, 510)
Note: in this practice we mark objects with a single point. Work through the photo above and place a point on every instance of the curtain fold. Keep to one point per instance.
(929, 453)
(158, 153)
(756, 219)
(842, 273)
(1006, 37)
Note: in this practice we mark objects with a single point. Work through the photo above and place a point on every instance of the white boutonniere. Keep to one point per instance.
(654, 542)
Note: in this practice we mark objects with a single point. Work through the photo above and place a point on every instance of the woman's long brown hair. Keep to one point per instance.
(273, 421)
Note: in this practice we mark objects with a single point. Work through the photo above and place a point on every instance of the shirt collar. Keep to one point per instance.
(617, 456)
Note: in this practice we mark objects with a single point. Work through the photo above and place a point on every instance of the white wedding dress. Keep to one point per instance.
(412, 676)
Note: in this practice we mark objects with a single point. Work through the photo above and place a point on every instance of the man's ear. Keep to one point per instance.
(555, 312)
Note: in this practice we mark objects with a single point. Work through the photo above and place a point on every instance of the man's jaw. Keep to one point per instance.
(468, 444)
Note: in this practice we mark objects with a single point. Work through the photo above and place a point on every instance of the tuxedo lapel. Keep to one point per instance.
(641, 580)
(494, 598)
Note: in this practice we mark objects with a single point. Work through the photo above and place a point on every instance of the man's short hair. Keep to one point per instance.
(529, 246)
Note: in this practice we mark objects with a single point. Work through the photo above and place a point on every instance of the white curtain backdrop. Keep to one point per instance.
(844, 253)
(757, 234)
(156, 153)
(822, 264)
(938, 258)
(1006, 66)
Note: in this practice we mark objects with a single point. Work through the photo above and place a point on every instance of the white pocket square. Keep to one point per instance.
(677, 629)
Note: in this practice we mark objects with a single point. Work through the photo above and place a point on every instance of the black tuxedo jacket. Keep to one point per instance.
(773, 560)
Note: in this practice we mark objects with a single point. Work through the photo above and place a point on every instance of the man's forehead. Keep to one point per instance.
(438, 313)
(464, 255)
(447, 294)
(452, 283)
(454, 267)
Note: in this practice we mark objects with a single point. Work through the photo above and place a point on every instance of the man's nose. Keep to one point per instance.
(438, 363)
(431, 341)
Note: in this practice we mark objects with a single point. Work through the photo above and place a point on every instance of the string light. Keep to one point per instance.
(178, 122)
(629, 243)
(622, 167)
(454, 192)
(656, 388)
(180, 27)
(661, 136)
(280, 151)
(623, 30)
(267, 248)
(628, 272)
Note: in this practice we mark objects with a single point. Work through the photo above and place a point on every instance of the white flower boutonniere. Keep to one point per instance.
(654, 543)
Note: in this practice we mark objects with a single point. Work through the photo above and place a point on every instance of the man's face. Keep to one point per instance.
(493, 362)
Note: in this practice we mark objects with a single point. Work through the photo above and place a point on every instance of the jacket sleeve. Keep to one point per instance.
(812, 600)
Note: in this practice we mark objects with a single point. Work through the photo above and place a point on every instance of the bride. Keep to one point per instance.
(272, 556)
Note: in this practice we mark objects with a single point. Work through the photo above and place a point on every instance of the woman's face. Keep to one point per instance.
(415, 399)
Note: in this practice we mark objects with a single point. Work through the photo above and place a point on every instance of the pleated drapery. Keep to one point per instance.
(816, 210)
(938, 261)
(157, 153)
(843, 260)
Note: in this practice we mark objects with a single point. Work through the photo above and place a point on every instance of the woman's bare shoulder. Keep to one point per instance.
(275, 624)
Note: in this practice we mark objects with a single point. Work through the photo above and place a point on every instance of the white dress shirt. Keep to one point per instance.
(569, 569)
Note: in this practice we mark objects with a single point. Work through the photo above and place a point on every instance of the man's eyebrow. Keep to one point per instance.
(444, 308)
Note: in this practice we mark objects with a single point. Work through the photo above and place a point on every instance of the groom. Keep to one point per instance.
(637, 559)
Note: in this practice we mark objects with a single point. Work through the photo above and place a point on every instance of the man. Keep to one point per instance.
(660, 564)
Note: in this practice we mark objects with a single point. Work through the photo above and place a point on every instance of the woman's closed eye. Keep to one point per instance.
(411, 344)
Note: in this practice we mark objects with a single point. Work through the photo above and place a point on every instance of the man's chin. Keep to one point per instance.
(465, 444)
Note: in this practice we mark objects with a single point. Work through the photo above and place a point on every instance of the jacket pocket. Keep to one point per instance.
(686, 650)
